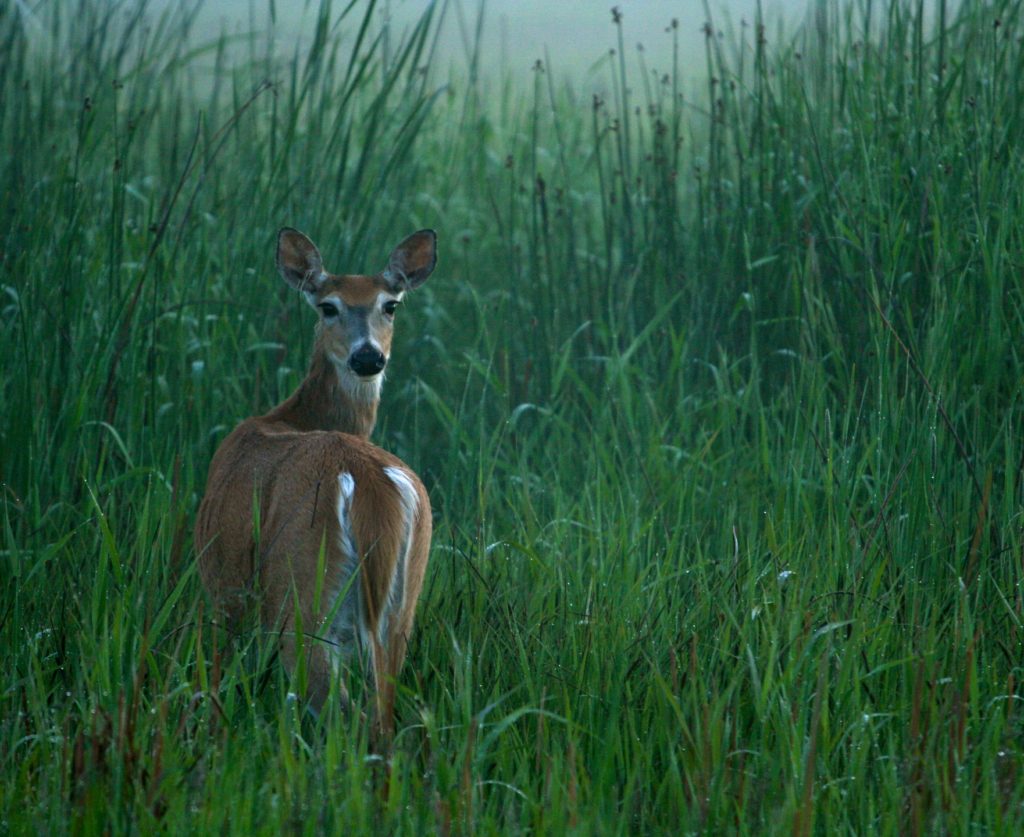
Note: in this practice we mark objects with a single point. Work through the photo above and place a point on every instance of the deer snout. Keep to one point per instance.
(367, 361)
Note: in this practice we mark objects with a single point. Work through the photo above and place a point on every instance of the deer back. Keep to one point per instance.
(289, 517)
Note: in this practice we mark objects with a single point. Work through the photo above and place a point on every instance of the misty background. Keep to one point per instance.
(571, 38)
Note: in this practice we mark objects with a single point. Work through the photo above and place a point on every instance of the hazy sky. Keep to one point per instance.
(576, 34)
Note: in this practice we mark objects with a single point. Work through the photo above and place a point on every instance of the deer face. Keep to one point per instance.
(357, 312)
(357, 321)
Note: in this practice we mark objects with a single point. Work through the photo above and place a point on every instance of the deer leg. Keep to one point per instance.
(320, 674)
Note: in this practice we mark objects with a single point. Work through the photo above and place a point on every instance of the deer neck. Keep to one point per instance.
(330, 398)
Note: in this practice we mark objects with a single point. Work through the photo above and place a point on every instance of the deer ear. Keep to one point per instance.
(298, 260)
(412, 261)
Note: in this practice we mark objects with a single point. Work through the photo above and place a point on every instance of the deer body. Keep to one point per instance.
(325, 533)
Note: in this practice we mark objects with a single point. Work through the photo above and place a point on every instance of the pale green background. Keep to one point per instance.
(575, 34)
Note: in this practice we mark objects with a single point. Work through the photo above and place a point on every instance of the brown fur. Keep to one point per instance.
(268, 533)
(320, 402)
(355, 290)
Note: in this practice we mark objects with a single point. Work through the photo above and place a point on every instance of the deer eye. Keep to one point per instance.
(390, 307)
(329, 309)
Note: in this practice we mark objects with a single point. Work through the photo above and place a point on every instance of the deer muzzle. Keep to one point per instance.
(367, 361)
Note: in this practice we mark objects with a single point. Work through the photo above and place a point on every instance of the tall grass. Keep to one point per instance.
(717, 393)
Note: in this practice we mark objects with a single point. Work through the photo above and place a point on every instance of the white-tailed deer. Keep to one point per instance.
(325, 532)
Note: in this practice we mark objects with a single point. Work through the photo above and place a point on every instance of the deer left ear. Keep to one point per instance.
(298, 260)
(412, 261)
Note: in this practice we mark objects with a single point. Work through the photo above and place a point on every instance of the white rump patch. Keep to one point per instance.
(346, 537)
(348, 488)
(410, 505)
(410, 500)
(346, 493)
(342, 632)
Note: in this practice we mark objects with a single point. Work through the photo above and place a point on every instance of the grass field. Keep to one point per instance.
(717, 393)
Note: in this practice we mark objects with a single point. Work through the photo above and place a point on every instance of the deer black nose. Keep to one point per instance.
(366, 361)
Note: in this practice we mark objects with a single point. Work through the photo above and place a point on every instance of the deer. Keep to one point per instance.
(306, 522)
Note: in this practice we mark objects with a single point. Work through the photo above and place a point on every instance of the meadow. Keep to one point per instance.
(716, 390)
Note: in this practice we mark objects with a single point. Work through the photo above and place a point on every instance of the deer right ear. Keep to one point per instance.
(412, 261)
(298, 260)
